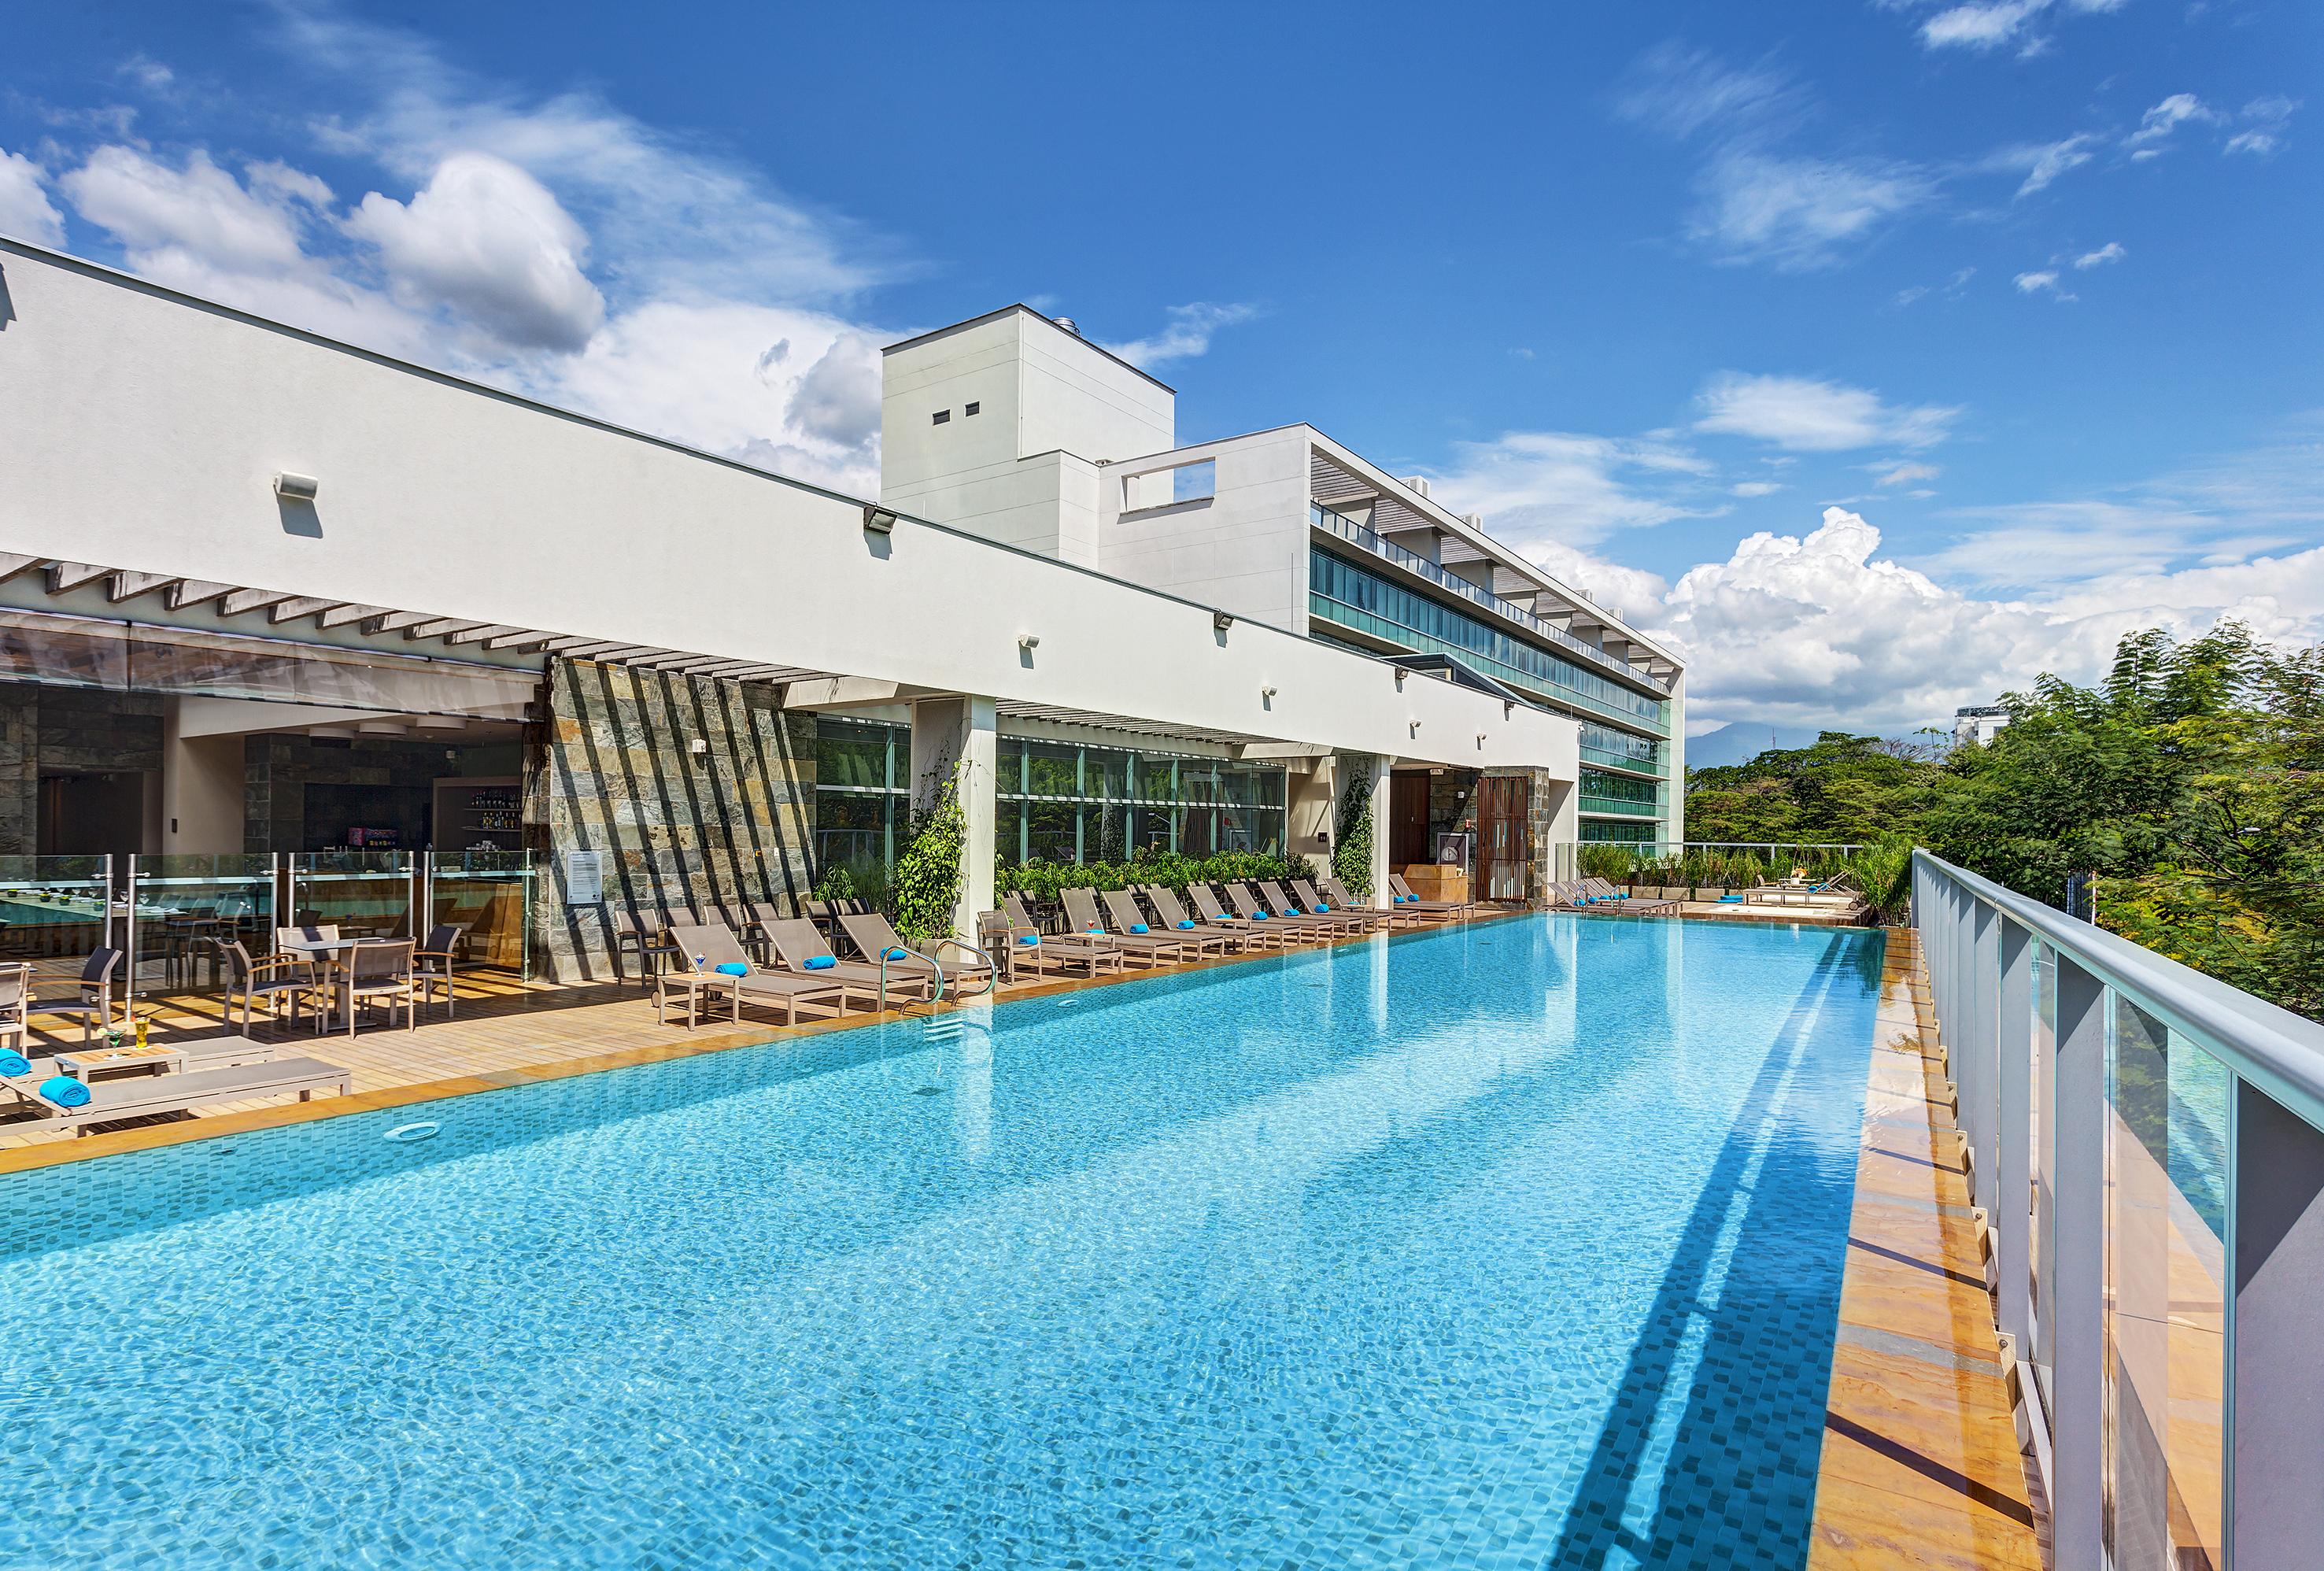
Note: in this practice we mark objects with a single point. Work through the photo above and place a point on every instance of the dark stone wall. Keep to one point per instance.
(612, 771)
(66, 731)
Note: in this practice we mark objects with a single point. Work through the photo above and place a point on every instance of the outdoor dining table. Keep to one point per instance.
(331, 953)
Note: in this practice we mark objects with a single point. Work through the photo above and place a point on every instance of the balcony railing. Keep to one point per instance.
(1354, 533)
(2148, 1144)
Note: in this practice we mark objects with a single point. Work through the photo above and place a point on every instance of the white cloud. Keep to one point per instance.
(2111, 251)
(2261, 142)
(838, 399)
(1754, 488)
(489, 242)
(2159, 123)
(1185, 335)
(198, 211)
(1800, 213)
(1979, 26)
(2038, 283)
(1535, 486)
(2044, 162)
(1889, 474)
(25, 210)
(1803, 414)
(1756, 200)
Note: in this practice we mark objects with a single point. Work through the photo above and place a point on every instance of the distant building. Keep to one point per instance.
(1978, 722)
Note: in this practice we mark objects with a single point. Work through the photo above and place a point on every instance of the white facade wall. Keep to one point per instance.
(1243, 550)
(144, 430)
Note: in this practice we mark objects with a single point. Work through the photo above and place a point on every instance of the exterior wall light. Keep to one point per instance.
(1267, 692)
(1029, 641)
(1222, 620)
(1480, 742)
(295, 487)
(1400, 674)
(698, 747)
(878, 520)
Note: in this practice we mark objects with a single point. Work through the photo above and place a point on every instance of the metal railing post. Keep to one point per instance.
(1981, 1047)
(2012, 1159)
(2078, 1422)
(2275, 1389)
(129, 930)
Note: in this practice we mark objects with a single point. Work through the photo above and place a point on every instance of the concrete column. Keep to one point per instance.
(1312, 812)
(202, 799)
(959, 737)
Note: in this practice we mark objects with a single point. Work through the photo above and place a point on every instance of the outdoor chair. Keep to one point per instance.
(270, 980)
(1147, 948)
(145, 1095)
(1277, 900)
(874, 936)
(15, 997)
(1403, 891)
(1029, 948)
(1261, 932)
(1248, 906)
(1240, 939)
(378, 971)
(642, 934)
(1363, 916)
(702, 949)
(1123, 907)
(800, 948)
(432, 966)
(91, 1001)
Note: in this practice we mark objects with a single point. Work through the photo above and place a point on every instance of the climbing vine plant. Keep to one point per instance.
(1351, 857)
(928, 867)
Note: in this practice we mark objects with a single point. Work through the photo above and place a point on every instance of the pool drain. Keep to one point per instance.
(405, 1134)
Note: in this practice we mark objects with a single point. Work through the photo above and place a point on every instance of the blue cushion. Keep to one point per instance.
(820, 962)
(65, 1091)
(1258, 916)
(733, 968)
(1185, 926)
(1028, 939)
(1137, 927)
(1730, 900)
(1321, 907)
(894, 954)
(1094, 928)
(13, 1062)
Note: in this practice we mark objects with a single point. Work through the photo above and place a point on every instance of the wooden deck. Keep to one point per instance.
(1920, 1465)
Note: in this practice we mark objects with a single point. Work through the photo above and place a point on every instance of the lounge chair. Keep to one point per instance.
(1396, 915)
(873, 936)
(1277, 900)
(144, 1096)
(1238, 935)
(15, 995)
(1247, 906)
(1603, 891)
(1046, 953)
(761, 988)
(801, 948)
(1122, 905)
(1403, 891)
(1370, 918)
(1147, 948)
(1278, 935)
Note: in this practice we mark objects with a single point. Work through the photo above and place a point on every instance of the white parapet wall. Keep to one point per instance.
(144, 430)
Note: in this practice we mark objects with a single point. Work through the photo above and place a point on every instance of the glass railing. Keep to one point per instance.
(1348, 528)
(2147, 1143)
(57, 906)
(486, 898)
(189, 909)
(1590, 804)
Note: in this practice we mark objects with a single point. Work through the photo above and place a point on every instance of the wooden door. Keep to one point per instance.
(1407, 817)
(1504, 806)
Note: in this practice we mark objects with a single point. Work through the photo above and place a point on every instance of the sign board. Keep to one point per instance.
(584, 877)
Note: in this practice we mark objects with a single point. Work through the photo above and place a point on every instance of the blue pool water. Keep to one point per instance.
(1506, 1246)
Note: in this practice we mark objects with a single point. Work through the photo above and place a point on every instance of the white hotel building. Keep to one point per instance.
(268, 601)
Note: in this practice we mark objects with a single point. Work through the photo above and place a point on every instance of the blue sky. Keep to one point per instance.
(1881, 354)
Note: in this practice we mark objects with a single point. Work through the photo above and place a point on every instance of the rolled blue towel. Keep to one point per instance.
(1321, 907)
(13, 1062)
(894, 955)
(733, 968)
(1185, 926)
(1028, 939)
(820, 962)
(1730, 900)
(1139, 928)
(1258, 916)
(64, 1091)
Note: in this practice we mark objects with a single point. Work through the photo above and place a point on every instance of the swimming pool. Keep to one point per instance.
(1508, 1245)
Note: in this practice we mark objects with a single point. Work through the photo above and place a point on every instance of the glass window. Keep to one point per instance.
(1340, 591)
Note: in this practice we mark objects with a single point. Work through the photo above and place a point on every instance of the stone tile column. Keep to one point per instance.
(1374, 779)
(960, 737)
